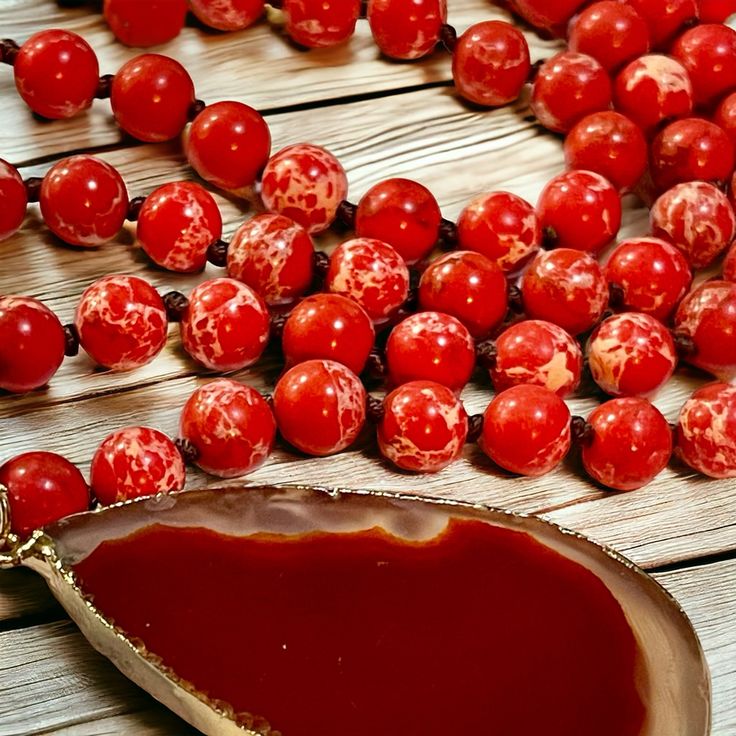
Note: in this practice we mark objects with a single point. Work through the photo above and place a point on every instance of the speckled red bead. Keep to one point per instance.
(549, 15)
(319, 23)
(227, 15)
(725, 116)
(406, 29)
(137, 23)
(665, 17)
(14, 199)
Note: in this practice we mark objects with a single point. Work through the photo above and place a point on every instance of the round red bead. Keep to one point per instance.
(549, 15)
(665, 17)
(14, 200)
(137, 23)
(318, 23)
(406, 29)
(725, 116)
(227, 15)
(716, 11)
(729, 264)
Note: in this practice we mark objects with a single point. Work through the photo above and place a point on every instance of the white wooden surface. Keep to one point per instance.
(382, 119)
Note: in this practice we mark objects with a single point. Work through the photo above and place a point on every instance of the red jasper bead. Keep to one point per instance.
(318, 23)
(568, 87)
(56, 73)
(31, 344)
(490, 63)
(430, 346)
(121, 321)
(631, 443)
(725, 116)
(716, 11)
(503, 227)
(729, 264)
(133, 462)
(43, 487)
(538, 353)
(406, 29)
(319, 407)
(697, 218)
(424, 427)
(274, 256)
(665, 17)
(706, 431)
(549, 15)
(306, 183)
(227, 15)
(707, 315)
(468, 286)
(566, 287)
(228, 145)
(402, 213)
(611, 145)
(328, 327)
(84, 201)
(137, 23)
(526, 430)
(14, 199)
(230, 426)
(177, 223)
(580, 210)
(372, 273)
(151, 96)
(225, 326)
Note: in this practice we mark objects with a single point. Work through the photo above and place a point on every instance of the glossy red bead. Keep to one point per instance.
(56, 73)
(538, 353)
(424, 427)
(43, 487)
(328, 327)
(549, 15)
(725, 116)
(273, 255)
(84, 201)
(566, 287)
(133, 462)
(319, 407)
(150, 23)
(729, 264)
(228, 145)
(526, 430)
(716, 11)
(14, 200)
(227, 15)
(372, 273)
(402, 213)
(121, 321)
(319, 23)
(490, 63)
(430, 346)
(631, 444)
(31, 344)
(151, 96)
(406, 29)
(665, 17)
(176, 225)
(225, 326)
(230, 426)
(306, 183)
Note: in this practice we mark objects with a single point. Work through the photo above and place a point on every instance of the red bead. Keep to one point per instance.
(725, 116)
(665, 17)
(652, 274)
(526, 430)
(631, 444)
(697, 218)
(568, 87)
(490, 63)
(306, 183)
(406, 29)
(226, 325)
(137, 23)
(228, 145)
(84, 201)
(227, 15)
(56, 74)
(274, 256)
(14, 200)
(372, 273)
(610, 32)
(319, 23)
(716, 11)
(402, 213)
(43, 487)
(133, 462)
(328, 327)
(707, 315)
(706, 431)
(549, 15)
(566, 287)
(729, 264)
(468, 286)
(31, 344)
(230, 426)
(691, 149)
(176, 225)
(503, 227)
(121, 322)
(708, 52)
(611, 145)
(537, 353)
(151, 96)
(424, 427)
(580, 210)
(430, 346)
(319, 407)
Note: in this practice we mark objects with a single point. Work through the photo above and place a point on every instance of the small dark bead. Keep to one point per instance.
(684, 345)
(516, 301)
(616, 295)
(485, 354)
(104, 87)
(217, 253)
(195, 108)
(71, 338)
(321, 264)
(363, 8)
(8, 51)
(275, 4)
(346, 212)
(475, 427)
(33, 188)
(447, 239)
(176, 304)
(415, 276)
(374, 409)
(134, 208)
(582, 432)
(375, 366)
(188, 451)
(534, 70)
(448, 37)
(549, 238)
(278, 321)
(412, 301)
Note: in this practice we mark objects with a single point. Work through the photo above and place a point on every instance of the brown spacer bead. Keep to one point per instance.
(188, 451)
(534, 70)
(374, 409)
(363, 8)
(321, 262)
(8, 51)
(278, 321)
(275, 4)
(176, 304)
(71, 340)
(346, 213)
(516, 300)
(448, 37)
(549, 238)
(475, 427)
(104, 87)
(217, 253)
(375, 366)
(582, 432)
(615, 295)
(447, 236)
(134, 208)
(412, 301)
(195, 108)
(684, 344)
(33, 188)
(485, 354)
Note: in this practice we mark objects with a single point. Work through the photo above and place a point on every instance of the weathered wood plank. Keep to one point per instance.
(155, 721)
(23, 594)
